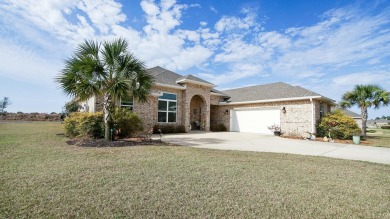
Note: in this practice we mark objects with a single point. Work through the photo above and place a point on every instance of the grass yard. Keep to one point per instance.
(43, 177)
(379, 137)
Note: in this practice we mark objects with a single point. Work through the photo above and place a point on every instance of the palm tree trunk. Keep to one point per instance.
(364, 120)
(107, 117)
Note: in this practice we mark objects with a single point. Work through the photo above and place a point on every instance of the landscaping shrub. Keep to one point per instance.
(385, 126)
(337, 125)
(180, 129)
(84, 125)
(218, 128)
(126, 123)
(168, 128)
(71, 107)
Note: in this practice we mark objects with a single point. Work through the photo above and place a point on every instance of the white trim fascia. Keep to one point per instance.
(170, 86)
(257, 108)
(218, 94)
(272, 100)
(154, 94)
(195, 82)
(312, 117)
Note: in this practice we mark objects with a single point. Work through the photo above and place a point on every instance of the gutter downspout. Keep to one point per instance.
(312, 116)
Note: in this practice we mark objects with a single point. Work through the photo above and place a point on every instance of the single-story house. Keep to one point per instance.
(195, 104)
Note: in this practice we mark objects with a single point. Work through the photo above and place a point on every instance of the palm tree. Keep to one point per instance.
(366, 96)
(107, 70)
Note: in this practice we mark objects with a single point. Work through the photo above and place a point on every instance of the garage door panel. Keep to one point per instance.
(256, 120)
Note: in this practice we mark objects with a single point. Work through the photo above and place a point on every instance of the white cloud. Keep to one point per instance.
(230, 23)
(189, 57)
(372, 77)
(112, 13)
(24, 64)
(236, 50)
(236, 72)
(162, 18)
(213, 9)
(344, 37)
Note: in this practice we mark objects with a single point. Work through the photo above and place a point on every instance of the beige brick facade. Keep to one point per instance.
(195, 91)
(196, 104)
(148, 111)
(197, 96)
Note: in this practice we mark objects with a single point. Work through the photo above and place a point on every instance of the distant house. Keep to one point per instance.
(376, 123)
(196, 104)
(353, 115)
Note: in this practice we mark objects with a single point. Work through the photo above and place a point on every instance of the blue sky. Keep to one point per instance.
(324, 46)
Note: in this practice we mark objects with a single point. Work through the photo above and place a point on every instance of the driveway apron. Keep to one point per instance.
(268, 143)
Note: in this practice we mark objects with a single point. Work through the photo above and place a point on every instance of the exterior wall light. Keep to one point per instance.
(284, 110)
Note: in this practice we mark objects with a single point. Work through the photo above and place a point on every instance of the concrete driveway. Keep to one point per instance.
(266, 143)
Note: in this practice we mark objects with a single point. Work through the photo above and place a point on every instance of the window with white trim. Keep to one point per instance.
(127, 103)
(167, 108)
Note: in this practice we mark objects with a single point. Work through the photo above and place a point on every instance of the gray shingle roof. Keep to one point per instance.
(218, 92)
(164, 76)
(278, 90)
(347, 112)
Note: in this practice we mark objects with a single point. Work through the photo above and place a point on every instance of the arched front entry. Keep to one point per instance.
(198, 113)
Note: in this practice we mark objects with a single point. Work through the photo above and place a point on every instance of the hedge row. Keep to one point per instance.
(31, 116)
(91, 125)
(166, 129)
(218, 128)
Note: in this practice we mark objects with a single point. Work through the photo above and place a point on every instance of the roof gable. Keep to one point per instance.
(193, 79)
(167, 77)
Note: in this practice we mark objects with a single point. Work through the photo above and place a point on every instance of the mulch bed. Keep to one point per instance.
(117, 143)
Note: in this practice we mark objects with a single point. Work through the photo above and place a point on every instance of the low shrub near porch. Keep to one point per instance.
(337, 125)
(218, 128)
(168, 128)
(127, 123)
(87, 125)
(91, 125)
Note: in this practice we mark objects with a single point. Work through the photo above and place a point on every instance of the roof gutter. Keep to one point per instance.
(276, 100)
(195, 82)
(170, 86)
(312, 117)
(218, 94)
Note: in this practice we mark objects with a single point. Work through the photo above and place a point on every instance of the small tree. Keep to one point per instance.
(4, 104)
(366, 96)
(107, 70)
(71, 107)
(337, 125)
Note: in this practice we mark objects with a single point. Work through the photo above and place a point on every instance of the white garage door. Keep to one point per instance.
(254, 120)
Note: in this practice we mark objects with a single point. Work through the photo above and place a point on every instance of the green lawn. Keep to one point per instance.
(43, 177)
(379, 137)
